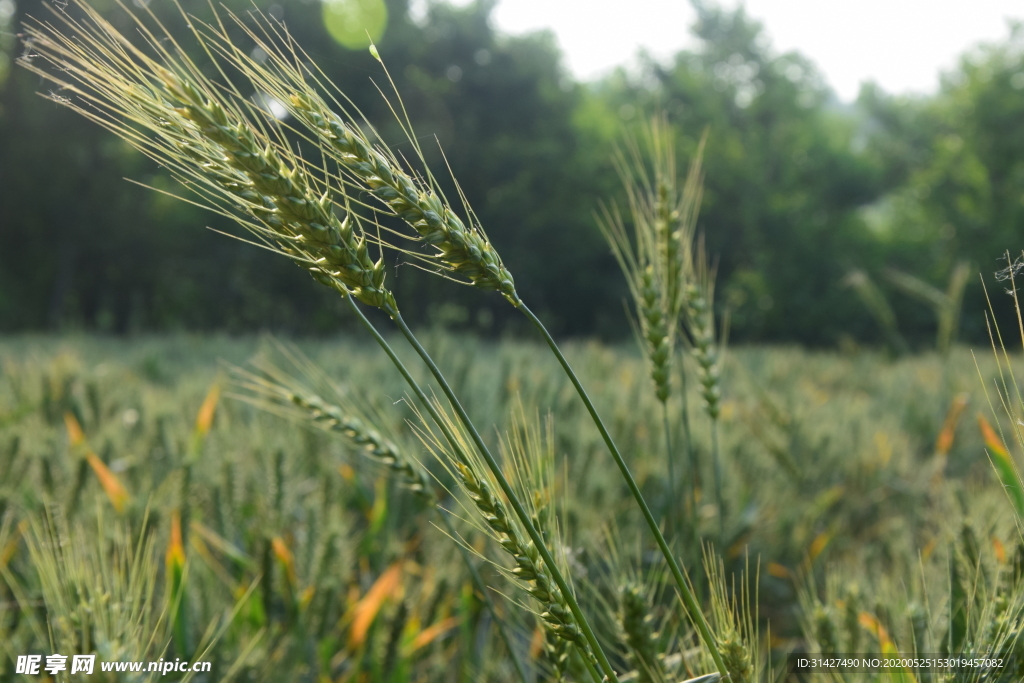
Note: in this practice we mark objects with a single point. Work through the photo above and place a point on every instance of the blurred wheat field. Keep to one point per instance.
(287, 554)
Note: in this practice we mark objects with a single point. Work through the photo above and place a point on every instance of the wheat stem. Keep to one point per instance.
(591, 669)
(688, 436)
(716, 462)
(513, 500)
(672, 500)
(685, 592)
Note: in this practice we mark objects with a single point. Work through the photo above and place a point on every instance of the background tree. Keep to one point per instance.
(800, 188)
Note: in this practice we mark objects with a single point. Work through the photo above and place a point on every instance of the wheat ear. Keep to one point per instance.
(735, 621)
(635, 621)
(309, 219)
(531, 571)
(653, 253)
(699, 321)
(171, 113)
(369, 439)
(462, 250)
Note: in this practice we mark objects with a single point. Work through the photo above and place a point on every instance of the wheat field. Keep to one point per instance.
(301, 555)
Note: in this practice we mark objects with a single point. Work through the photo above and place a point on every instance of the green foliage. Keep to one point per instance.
(800, 188)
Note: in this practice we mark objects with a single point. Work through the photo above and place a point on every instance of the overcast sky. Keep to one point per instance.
(901, 44)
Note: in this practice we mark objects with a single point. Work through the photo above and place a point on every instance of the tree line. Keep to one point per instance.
(801, 190)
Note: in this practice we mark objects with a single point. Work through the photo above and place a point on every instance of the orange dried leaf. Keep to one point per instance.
(868, 621)
(204, 420)
(113, 487)
(999, 549)
(75, 435)
(929, 548)
(11, 548)
(175, 549)
(945, 440)
(992, 440)
(367, 608)
(1004, 465)
(886, 645)
(819, 544)
(428, 635)
(285, 557)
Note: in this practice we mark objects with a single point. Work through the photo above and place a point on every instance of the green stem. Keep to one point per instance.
(474, 574)
(513, 500)
(691, 454)
(670, 508)
(590, 665)
(716, 461)
(685, 593)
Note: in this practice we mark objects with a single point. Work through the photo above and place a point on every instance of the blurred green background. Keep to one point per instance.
(800, 188)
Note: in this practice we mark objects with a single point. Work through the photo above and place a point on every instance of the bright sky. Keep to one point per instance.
(901, 44)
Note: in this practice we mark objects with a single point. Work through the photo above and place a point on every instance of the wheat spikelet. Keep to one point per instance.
(635, 621)
(529, 568)
(371, 441)
(556, 654)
